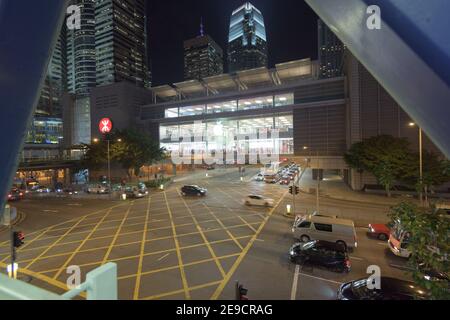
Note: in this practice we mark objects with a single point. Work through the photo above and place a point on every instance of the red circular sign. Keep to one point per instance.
(105, 125)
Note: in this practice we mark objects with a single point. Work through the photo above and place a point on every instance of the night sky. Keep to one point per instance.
(291, 28)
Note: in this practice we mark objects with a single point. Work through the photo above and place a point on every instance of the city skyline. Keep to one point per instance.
(170, 23)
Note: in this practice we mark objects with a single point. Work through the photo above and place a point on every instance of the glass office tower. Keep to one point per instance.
(81, 62)
(247, 41)
(49, 103)
(202, 58)
(121, 42)
(331, 52)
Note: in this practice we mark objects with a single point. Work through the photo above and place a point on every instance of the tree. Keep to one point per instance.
(384, 156)
(428, 243)
(95, 157)
(133, 150)
(436, 172)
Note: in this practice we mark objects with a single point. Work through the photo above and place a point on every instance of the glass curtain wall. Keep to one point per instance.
(251, 136)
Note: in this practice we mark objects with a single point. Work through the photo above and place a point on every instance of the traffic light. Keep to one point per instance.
(294, 190)
(243, 293)
(18, 239)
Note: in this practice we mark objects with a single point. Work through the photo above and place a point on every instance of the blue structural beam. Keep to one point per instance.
(409, 55)
(28, 33)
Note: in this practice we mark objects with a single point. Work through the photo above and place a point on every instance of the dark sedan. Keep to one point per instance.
(193, 191)
(326, 254)
(390, 289)
(15, 195)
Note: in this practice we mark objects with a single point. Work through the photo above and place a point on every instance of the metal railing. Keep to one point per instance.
(100, 284)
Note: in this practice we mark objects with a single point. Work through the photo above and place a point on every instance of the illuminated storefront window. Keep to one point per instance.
(232, 135)
(256, 103)
(232, 106)
(172, 113)
(192, 111)
(45, 131)
(284, 99)
(229, 106)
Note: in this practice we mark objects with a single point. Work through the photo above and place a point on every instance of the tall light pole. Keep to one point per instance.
(318, 179)
(412, 124)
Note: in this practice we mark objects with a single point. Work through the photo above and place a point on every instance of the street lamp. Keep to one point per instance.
(412, 124)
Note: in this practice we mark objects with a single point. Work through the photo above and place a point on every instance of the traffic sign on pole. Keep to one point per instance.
(105, 125)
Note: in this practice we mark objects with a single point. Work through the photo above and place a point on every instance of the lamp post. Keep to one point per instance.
(412, 124)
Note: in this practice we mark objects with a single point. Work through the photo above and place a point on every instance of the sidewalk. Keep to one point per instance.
(334, 188)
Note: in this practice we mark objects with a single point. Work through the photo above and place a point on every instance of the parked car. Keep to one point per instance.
(15, 195)
(326, 254)
(259, 177)
(98, 189)
(271, 179)
(256, 200)
(379, 231)
(143, 188)
(134, 193)
(285, 180)
(391, 289)
(193, 191)
(315, 227)
(43, 189)
(59, 187)
(431, 274)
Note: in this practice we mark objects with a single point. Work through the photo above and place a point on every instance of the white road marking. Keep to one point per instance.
(357, 258)
(163, 257)
(318, 278)
(295, 282)
(260, 240)
(382, 243)
(75, 204)
(51, 211)
(399, 266)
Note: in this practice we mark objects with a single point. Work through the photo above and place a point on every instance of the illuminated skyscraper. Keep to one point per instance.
(120, 42)
(331, 52)
(203, 57)
(81, 68)
(247, 41)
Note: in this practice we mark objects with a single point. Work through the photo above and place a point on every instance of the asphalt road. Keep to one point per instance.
(171, 247)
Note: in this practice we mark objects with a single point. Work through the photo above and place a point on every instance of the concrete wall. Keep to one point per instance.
(120, 102)
(371, 111)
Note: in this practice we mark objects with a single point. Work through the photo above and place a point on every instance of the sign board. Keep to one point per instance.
(105, 125)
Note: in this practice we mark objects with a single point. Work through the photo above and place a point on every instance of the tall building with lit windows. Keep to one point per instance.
(247, 40)
(331, 52)
(81, 69)
(203, 57)
(120, 42)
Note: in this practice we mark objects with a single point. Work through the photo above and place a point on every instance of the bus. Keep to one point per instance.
(271, 169)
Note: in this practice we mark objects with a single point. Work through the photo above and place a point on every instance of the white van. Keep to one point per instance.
(325, 228)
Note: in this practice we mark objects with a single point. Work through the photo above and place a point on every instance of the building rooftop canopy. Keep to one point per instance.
(283, 73)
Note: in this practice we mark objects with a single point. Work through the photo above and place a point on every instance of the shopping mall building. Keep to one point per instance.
(287, 111)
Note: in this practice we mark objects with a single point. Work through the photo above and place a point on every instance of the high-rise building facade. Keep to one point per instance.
(203, 58)
(247, 41)
(120, 42)
(55, 81)
(81, 63)
(331, 52)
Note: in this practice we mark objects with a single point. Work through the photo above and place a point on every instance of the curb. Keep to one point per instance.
(348, 200)
(20, 217)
